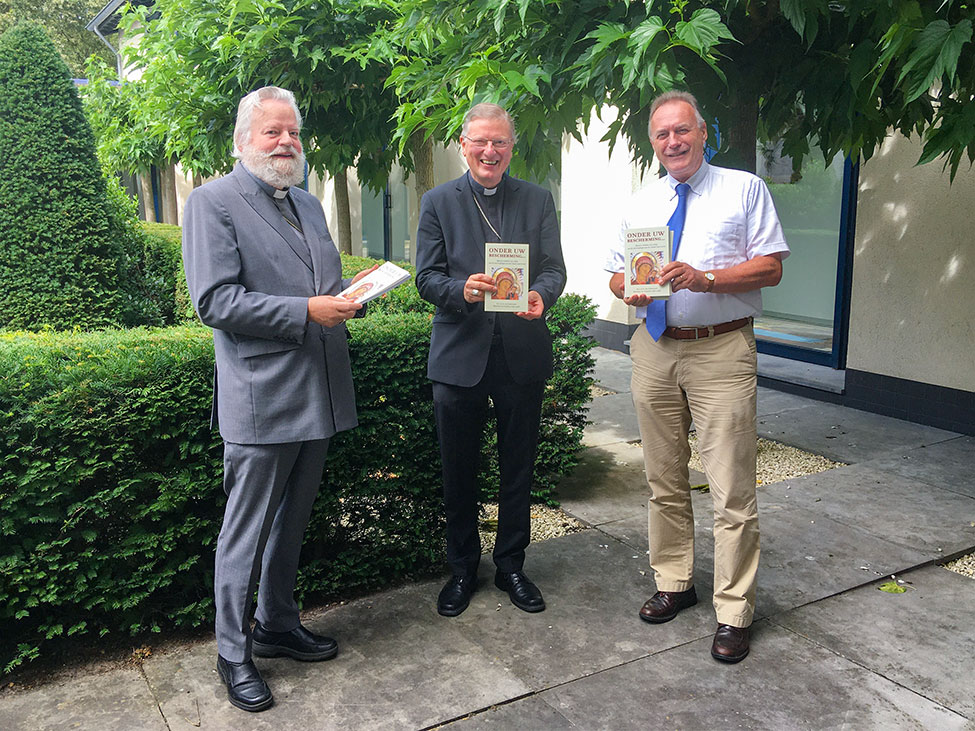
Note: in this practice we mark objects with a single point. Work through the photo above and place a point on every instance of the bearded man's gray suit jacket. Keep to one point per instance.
(282, 385)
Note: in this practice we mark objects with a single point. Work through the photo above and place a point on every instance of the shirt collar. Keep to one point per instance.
(696, 181)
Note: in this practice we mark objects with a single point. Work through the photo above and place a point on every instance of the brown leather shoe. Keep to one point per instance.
(730, 643)
(664, 605)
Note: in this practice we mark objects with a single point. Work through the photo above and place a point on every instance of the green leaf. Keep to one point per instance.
(936, 53)
(642, 35)
(892, 587)
(702, 31)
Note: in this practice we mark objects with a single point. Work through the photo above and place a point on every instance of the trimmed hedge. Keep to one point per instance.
(110, 481)
(59, 250)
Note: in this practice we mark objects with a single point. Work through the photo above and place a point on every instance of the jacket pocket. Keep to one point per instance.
(260, 346)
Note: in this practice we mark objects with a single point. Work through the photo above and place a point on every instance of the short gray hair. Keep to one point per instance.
(245, 112)
(678, 96)
(486, 110)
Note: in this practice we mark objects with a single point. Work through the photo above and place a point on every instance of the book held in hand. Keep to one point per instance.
(387, 277)
(646, 252)
(507, 265)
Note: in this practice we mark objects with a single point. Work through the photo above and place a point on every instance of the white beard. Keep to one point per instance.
(279, 173)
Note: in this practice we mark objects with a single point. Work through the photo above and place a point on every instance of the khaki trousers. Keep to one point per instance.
(713, 382)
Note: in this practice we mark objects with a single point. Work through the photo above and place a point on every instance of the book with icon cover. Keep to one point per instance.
(386, 277)
(507, 265)
(646, 252)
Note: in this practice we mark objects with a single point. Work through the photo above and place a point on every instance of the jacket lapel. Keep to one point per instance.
(512, 210)
(465, 197)
(265, 208)
(306, 216)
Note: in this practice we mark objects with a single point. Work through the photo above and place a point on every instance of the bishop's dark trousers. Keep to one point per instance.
(461, 413)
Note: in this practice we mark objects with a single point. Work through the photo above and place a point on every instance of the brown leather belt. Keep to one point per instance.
(696, 333)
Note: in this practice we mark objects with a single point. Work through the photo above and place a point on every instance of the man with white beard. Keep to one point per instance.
(263, 273)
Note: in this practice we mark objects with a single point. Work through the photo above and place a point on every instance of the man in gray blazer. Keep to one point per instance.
(262, 272)
(476, 354)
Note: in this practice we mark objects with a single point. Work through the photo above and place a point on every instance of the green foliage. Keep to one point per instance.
(126, 140)
(110, 478)
(151, 266)
(198, 58)
(835, 75)
(59, 253)
(64, 22)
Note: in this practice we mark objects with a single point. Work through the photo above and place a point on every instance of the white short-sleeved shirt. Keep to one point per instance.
(730, 219)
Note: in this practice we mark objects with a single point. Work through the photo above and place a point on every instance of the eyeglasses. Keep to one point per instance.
(480, 144)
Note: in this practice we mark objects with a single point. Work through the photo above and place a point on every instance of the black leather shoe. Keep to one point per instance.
(246, 688)
(664, 605)
(522, 592)
(456, 595)
(730, 643)
(299, 643)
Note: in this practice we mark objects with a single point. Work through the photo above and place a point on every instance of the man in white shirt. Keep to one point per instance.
(703, 367)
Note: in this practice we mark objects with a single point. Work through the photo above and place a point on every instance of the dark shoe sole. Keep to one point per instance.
(530, 608)
(262, 650)
(250, 707)
(729, 660)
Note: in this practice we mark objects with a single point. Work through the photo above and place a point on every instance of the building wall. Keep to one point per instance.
(913, 299)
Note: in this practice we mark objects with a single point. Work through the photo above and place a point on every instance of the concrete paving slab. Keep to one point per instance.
(532, 713)
(118, 699)
(787, 683)
(613, 370)
(609, 484)
(923, 639)
(949, 465)
(400, 666)
(885, 505)
(846, 435)
(593, 591)
(807, 556)
(771, 401)
(613, 420)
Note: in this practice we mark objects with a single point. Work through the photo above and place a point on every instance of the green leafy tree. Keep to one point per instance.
(59, 257)
(198, 58)
(64, 21)
(836, 75)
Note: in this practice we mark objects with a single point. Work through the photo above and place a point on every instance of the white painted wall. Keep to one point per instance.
(595, 187)
(913, 296)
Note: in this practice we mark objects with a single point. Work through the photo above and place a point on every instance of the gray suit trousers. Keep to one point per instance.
(270, 492)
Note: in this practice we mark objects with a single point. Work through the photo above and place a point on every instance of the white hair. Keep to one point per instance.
(486, 110)
(245, 112)
(678, 96)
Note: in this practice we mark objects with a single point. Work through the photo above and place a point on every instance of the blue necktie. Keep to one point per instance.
(657, 310)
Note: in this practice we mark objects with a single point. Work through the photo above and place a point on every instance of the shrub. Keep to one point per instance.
(59, 254)
(110, 488)
(110, 478)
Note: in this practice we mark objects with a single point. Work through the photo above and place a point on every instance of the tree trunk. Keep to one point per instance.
(422, 150)
(167, 182)
(145, 192)
(743, 133)
(343, 212)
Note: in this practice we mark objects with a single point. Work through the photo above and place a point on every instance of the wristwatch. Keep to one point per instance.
(710, 277)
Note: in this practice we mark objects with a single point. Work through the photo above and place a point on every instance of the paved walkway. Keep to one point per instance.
(829, 650)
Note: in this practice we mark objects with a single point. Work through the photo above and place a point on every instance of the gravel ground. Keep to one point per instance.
(546, 523)
(964, 565)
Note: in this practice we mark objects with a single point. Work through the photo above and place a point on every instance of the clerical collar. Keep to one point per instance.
(478, 188)
(265, 186)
